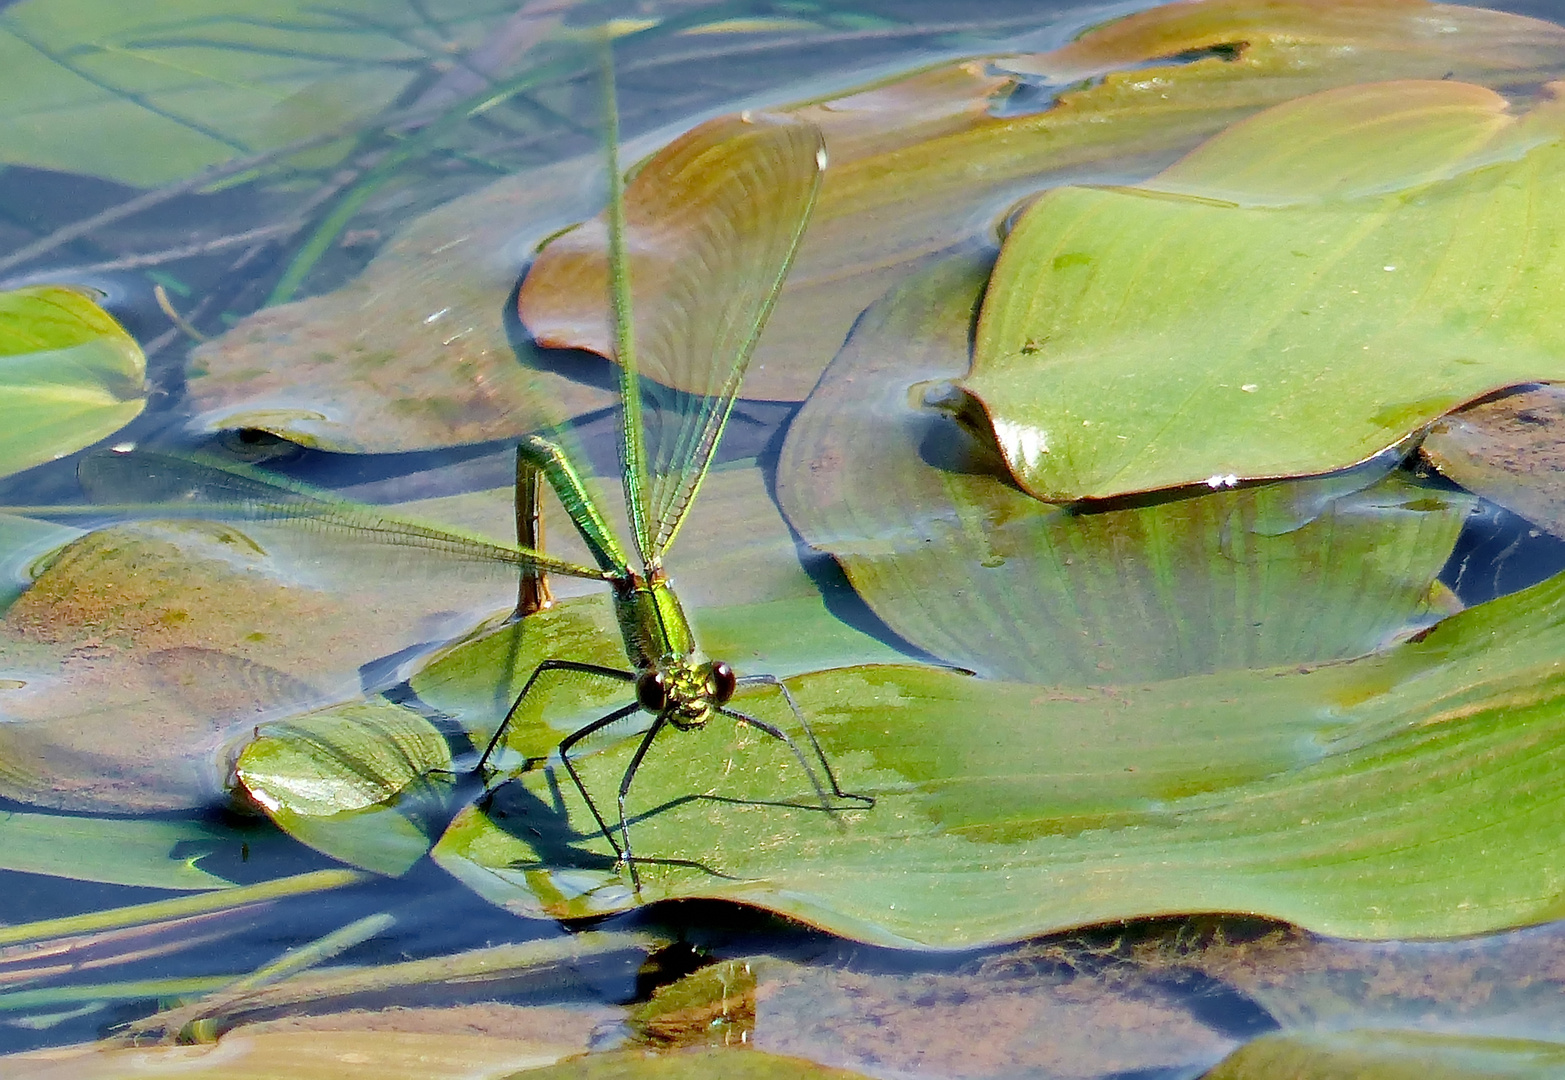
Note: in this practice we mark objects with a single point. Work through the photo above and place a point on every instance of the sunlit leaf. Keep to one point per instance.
(414, 352)
(351, 781)
(1510, 451)
(70, 375)
(1408, 794)
(921, 163)
(979, 574)
(1370, 1054)
(1268, 308)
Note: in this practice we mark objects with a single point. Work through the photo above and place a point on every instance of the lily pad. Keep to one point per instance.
(1269, 308)
(71, 375)
(1408, 794)
(1368, 1054)
(922, 163)
(1510, 451)
(963, 565)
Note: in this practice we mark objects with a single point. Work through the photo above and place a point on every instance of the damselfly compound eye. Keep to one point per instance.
(652, 690)
(723, 683)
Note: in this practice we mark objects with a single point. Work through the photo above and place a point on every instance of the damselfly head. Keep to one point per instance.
(688, 692)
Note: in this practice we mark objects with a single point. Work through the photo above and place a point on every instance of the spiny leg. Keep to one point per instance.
(565, 758)
(868, 801)
(550, 665)
(624, 787)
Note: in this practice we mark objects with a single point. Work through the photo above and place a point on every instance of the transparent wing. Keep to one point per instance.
(168, 485)
(711, 227)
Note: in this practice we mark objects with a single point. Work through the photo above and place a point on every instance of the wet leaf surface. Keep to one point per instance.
(1235, 316)
(981, 575)
(1510, 451)
(923, 163)
(1406, 794)
(161, 854)
(1369, 1054)
(71, 375)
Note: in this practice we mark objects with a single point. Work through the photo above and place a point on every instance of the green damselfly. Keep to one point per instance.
(743, 217)
(744, 187)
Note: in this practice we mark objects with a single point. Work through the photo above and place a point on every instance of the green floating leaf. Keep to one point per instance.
(1247, 315)
(1510, 451)
(1409, 794)
(71, 375)
(116, 851)
(1368, 1054)
(987, 578)
(354, 781)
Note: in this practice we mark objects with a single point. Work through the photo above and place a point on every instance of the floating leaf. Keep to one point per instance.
(156, 854)
(1510, 451)
(413, 352)
(353, 781)
(983, 576)
(71, 375)
(922, 163)
(1408, 794)
(357, 1051)
(1265, 308)
(1368, 1054)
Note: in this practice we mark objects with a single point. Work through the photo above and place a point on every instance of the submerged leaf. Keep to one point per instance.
(983, 576)
(1408, 794)
(148, 95)
(69, 373)
(1267, 308)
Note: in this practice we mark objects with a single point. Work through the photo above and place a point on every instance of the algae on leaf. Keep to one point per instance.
(1307, 289)
(69, 375)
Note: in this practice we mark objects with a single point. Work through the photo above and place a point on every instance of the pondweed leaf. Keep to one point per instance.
(1307, 289)
(69, 373)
